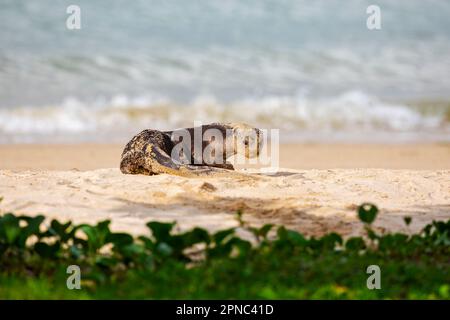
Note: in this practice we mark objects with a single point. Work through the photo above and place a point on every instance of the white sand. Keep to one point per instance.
(310, 201)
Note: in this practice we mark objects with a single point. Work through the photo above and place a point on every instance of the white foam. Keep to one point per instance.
(352, 112)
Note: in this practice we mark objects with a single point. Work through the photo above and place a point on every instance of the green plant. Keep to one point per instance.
(199, 264)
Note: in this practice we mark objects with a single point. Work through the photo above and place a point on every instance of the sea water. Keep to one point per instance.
(310, 68)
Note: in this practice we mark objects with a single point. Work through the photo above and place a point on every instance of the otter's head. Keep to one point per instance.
(248, 141)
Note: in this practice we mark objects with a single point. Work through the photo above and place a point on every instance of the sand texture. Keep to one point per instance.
(311, 201)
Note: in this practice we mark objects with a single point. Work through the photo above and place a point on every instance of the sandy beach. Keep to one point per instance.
(295, 156)
(316, 191)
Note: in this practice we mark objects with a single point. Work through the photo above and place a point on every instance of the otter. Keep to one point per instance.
(154, 152)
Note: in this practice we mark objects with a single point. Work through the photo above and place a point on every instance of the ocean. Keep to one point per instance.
(309, 68)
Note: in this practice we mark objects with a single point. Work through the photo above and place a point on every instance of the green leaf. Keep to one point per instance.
(33, 224)
(264, 230)
(331, 240)
(221, 235)
(196, 235)
(75, 251)
(367, 212)
(133, 250)
(370, 233)
(291, 236)
(119, 239)
(47, 251)
(32, 228)
(9, 228)
(160, 230)
(355, 244)
(164, 249)
(407, 220)
(242, 246)
(103, 229)
(148, 243)
(106, 262)
(393, 242)
(91, 233)
(97, 235)
(61, 230)
(261, 232)
(220, 250)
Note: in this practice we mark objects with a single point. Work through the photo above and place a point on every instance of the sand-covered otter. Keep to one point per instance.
(190, 151)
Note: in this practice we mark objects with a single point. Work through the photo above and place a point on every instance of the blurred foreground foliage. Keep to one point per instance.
(277, 264)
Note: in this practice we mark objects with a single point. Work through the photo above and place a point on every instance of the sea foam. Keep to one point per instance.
(353, 115)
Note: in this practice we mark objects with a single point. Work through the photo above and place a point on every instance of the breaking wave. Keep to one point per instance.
(350, 116)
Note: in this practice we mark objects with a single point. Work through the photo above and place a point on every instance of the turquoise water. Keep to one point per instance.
(308, 67)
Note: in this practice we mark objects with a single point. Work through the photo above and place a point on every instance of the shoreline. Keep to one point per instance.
(301, 156)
